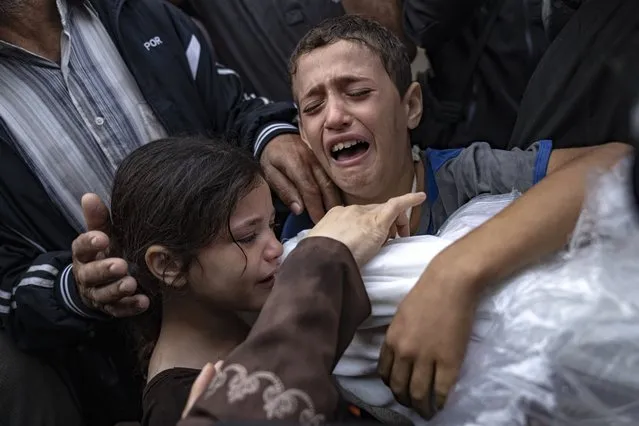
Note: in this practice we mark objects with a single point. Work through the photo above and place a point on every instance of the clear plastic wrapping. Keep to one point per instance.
(557, 344)
(565, 350)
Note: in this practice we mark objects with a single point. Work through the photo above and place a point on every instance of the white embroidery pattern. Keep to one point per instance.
(279, 402)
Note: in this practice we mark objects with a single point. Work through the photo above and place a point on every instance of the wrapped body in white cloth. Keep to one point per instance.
(512, 364)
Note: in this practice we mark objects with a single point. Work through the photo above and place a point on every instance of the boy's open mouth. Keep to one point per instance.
(344, 151)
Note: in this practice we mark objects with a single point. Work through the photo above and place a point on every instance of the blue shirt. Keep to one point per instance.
(455, 176)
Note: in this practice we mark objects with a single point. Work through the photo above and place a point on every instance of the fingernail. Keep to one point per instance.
(296, 208)
(123, 287)
(94, 241)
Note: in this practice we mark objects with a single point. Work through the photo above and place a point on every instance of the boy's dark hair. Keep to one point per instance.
(367, 32)
(178, 193)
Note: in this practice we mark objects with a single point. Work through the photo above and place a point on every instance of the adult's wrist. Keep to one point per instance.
(73, 299)
(268, 133)
(465, 274)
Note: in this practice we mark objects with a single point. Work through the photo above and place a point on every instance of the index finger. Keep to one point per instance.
(390, 210)
(330, 193)
(101, 277)
(284, 189)
(385, 363)
(86, 247)
(307, 186)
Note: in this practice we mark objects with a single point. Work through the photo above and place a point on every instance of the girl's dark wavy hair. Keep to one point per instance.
(178, 193)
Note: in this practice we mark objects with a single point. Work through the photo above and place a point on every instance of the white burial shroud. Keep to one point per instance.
(388, 277)
(555, 344)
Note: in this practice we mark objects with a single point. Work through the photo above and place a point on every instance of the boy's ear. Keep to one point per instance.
(413, 105)
(161, 264)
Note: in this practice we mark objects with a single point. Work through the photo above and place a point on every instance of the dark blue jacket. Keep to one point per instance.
(35, 238)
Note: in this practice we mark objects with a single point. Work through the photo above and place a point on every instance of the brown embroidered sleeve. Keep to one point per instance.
(283, 369)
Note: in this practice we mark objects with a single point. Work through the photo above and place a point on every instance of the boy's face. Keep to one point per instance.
(352, 117)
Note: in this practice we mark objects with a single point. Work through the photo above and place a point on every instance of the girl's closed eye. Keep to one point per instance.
(248, 239)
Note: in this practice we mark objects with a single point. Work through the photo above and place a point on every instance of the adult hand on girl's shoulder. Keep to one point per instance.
(364, 229)
(103, 282)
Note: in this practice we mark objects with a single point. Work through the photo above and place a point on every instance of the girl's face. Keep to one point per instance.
(236, 272)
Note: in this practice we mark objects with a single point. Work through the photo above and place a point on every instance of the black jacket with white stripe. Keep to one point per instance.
(190, 94)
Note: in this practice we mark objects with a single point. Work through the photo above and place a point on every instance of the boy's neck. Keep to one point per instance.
(394, 187)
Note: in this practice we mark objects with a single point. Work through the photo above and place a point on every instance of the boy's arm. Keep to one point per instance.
(540, 222)
(429, 334)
